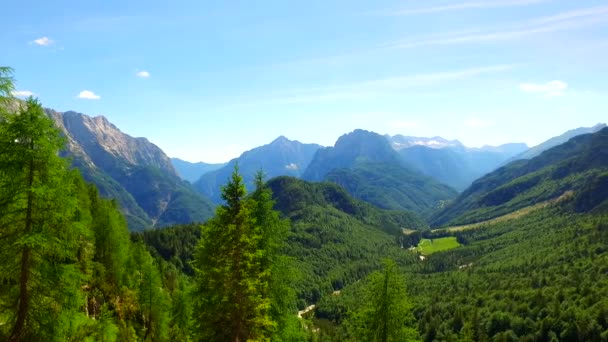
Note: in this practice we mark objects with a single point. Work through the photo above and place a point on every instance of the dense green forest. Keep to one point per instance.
(70, 269)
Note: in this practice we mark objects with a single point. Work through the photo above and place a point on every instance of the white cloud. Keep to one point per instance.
(89, 95)
(292, 167)
(142, 74)
(465, 5)
(43, 41)
(22, 93)
(551, 88)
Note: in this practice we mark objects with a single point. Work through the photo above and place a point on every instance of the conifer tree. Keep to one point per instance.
(231, 286)
(39, 278)
(386, 312)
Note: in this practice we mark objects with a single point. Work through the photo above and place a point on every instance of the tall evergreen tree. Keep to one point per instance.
(231, 286)
(386, 312)
(38, 261)
(276, 269)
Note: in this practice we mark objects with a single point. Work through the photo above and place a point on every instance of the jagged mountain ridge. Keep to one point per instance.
(281, 157)
(449, 161)
(366, 165)
(133, 170)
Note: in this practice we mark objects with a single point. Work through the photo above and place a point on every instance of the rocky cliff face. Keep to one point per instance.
(103, 141)
(133, 170)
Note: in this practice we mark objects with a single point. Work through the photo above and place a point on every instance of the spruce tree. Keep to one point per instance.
(39, 274)
(231, 285)
(385, 314)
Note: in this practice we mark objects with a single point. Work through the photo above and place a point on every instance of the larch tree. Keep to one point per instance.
(39, 276)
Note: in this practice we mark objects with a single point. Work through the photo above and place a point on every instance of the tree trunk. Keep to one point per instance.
(24, 296)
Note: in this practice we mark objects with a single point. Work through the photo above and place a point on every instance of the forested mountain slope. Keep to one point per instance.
(558, 140)
(366, 165)
(579, 165)
(458, 166)
(335, 239)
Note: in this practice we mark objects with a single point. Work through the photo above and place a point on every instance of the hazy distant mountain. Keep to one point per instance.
(365, 164)
(454, 164)
(350, 149)
(538, 149)
(134, 171)
(580, 165)
(282, 157)
(193, 171)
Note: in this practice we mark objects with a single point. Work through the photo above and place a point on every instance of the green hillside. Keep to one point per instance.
(391, 186)
(580, 165)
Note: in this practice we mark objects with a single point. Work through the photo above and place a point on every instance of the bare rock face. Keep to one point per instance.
(132, 170)
(103, 142)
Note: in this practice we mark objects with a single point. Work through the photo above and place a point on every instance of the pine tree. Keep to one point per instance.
(231, 286)
(38, 262)
(6, 84)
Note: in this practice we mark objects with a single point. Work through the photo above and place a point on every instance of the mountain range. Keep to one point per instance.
(135, 172)
(282, 157)
(449, 161)
(398, 172)
(193, 171)
(577, 168)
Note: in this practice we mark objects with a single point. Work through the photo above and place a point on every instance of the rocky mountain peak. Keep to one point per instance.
(100, 137)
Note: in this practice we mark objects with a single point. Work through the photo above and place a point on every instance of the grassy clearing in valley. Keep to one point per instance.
(430, 246)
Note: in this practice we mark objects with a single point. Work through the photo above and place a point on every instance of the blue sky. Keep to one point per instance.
(207, 80)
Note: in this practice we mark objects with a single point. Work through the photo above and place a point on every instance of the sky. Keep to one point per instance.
(208, 80)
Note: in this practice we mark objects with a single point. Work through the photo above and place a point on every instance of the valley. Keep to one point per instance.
(304, 171)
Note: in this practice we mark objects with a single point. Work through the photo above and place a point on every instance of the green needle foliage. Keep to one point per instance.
(232, 272)
(38, 269)
(386, 312)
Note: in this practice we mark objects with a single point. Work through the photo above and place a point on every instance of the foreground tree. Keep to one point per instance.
(39, 275)
(231, 275)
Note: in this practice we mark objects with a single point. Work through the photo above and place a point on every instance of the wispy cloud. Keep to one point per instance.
(461, 6)
(142, 74)
(551, 88)
(88, 95)
(22, 93)
(559, 22)
(43, 41)
(373, 88)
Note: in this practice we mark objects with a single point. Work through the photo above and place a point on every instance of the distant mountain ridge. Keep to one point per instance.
(281, 157)
(579, 165)
(558, 140)
(366, 165)
(449, 161)
(193, 171)
(134, 171)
